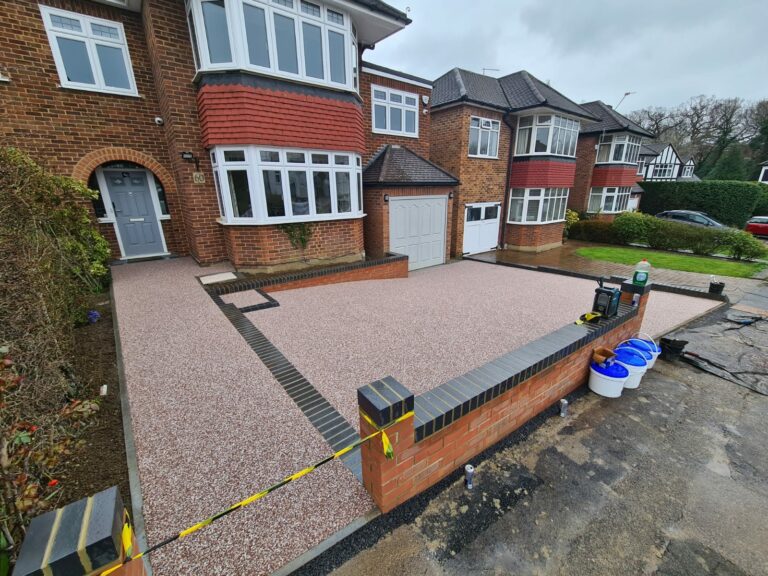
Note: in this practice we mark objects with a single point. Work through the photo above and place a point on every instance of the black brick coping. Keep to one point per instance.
(242, 284)
(456, 398)
(682, 290)
(331, 425)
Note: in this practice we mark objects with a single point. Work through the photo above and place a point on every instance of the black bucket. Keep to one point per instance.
(671, 349)
(716, 287)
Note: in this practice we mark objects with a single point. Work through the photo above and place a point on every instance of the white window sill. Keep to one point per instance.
(608, 212)
(100, 91)
(4, 79)
(616, 164)
(535, 223)
(279, 75)
(291, 220)
(478, 157)
(392, 133)
(539, 154)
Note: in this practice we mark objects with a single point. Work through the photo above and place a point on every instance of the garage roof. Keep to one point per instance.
(396, 165)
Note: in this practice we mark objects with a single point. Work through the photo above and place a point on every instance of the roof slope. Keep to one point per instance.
(513, 92)
(403, 75)
(652, 148)
(396, 165)
(611, 121)
(384, 8)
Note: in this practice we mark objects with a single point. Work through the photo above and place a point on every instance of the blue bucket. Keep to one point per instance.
(607, 379)
(633, 360)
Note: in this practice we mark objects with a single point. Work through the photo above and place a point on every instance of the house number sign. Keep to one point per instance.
(198, 177)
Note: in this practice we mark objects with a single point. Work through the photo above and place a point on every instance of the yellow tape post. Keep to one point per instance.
(388, 452)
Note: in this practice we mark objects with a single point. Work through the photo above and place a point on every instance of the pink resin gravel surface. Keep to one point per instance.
(434, 325)
(243, 299)
(212, 426)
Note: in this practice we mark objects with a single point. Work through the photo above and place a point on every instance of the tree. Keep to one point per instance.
(730, 165)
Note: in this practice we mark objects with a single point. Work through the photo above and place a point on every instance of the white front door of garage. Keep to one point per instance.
(417, 229)
(481, 227)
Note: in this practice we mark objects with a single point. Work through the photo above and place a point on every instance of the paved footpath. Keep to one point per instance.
(566, 258)
(212, 426)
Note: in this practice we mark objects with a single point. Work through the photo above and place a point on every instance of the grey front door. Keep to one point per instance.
(137, 223)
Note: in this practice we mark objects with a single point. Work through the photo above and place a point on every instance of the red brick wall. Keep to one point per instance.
(376, 225)
(544, 173)
(373, 141)
(586, 155)
(388, 270)
(482, 180)
(535, 237)
(254, 246)
(417, 466)
(59, 126)
(234, 114)
(619, 175)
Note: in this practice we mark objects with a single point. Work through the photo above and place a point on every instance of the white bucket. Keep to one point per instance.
(636, 373)
(605, 385)
(647, 344)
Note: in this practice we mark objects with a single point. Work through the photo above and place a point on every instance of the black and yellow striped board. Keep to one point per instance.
(85, 537)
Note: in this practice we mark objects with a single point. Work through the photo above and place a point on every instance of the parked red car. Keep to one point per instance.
(758, 225)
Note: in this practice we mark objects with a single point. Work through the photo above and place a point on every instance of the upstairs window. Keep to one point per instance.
(90, 53)
(687, 171)
(537, 205)
(395, 112)
(483, 137)
(663, 170)
(641, 168)
(297, 39)
(618, 148)
(546, 134)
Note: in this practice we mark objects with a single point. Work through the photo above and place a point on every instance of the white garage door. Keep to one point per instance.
(481, 227)
(417, 229)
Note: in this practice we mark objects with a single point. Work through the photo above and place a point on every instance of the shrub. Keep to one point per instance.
(761, 208)
(704, 241)
(594, 231)
(632, 227)
(743, 246)
(571, 217)
(731, 202)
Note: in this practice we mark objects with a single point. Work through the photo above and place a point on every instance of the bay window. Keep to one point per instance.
(618, 148)
(537, 205)
(610, 199)
(90, 53)
(483, 137)
(546, 134)
(394, 112)
(297, 39)
(265, 186)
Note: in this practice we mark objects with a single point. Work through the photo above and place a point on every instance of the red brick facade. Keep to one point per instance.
(268, 248)
(417, 466)
(542, 173)
(374, 141)
(482, 179)
(586, 154)
(376, 227)
(233, 114)
(534, 237)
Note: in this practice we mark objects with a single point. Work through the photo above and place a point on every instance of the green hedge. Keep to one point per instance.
(637, 228)
(761, 208)
(730, 202)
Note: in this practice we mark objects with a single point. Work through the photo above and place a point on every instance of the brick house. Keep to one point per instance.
(511, 142)
(607, 158)
(209, 125)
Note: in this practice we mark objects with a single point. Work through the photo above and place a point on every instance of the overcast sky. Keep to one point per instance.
(664, 50)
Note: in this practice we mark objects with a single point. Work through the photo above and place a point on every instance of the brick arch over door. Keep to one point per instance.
(88, 163)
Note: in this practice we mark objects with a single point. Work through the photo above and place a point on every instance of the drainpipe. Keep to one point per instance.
(504, 208)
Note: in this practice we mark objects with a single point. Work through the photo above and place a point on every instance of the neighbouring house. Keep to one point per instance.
(661, 161)
(209, 125)
(511, 142)
(763, 172)
(606, 162)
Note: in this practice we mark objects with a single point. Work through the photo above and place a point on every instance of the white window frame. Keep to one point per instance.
(388, 104)
(555, 196)
(619, 194)
(687, 171)
(641, 167)
(487, 125)
(569, 132)
(630, 152)
(255, 167)
(91, 41)
(664, 170)
(238, 41)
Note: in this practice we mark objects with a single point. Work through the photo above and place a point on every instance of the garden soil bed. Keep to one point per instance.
(100, 462)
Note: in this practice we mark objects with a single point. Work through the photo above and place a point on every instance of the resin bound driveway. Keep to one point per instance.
(212, 425)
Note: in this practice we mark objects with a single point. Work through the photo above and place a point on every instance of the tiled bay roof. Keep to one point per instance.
(610, 121)
(398, 166)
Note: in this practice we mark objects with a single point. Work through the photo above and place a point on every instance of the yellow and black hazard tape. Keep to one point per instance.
(388, 452)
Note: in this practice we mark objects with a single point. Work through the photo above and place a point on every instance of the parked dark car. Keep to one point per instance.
(690, 217)
(758, 225)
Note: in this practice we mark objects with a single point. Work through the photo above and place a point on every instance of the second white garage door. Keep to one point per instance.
(417, 229)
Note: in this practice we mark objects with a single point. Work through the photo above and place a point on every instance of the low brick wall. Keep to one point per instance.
(534, 237)
(468, 414)
(391, 266)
